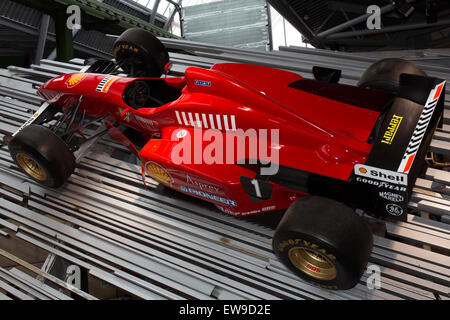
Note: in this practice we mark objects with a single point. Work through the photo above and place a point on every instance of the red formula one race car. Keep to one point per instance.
(252, 139)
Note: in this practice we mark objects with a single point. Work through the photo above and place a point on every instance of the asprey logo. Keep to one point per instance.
(381, 174)
(201, 185)
(392, 129)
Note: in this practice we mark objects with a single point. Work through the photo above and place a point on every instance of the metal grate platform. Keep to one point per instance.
(158, 244)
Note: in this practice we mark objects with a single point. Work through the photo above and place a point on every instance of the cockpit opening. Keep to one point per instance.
(151, 93)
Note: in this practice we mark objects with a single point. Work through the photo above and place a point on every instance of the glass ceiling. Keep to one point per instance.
(283, 34)
(165, 7)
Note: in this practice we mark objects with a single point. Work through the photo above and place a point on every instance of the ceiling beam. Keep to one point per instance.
(293, 17)
(107, 18)
(353, 22)
(404, 27)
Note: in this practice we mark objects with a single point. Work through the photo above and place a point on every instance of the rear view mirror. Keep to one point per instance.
(326, 74)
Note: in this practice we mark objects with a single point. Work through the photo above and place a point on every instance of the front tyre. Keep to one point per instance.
(324, 242)
(42, 155)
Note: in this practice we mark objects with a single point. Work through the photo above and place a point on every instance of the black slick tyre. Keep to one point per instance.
(144, 53)
(385, 74)
(42, 155)
(324, 242)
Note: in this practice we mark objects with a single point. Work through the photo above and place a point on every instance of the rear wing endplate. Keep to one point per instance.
(398, 155)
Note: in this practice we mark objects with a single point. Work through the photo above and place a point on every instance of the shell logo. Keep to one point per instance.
(363, 170)
(157, 172)
(75, 79)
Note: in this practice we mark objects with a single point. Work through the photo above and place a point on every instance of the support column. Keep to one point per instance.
(177, 8)
(154, 11)
(45, 20)
(64, 39)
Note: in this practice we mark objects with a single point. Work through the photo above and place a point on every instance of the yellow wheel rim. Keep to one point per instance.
(31, 167)
(312, 263)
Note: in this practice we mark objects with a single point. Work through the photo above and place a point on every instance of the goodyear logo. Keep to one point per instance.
(157, 172)
(392, 129)
(126, 47)
(75, 79)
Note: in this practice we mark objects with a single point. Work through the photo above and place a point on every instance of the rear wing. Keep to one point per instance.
(398, 155)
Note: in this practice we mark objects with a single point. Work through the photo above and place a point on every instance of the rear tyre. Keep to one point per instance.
(385, 74)
(324, 242)
(42, 155)
(141, 53)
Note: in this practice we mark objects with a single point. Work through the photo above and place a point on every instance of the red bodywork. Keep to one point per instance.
(316, 134)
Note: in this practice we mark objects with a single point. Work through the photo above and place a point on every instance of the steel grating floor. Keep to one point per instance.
(157, 244)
